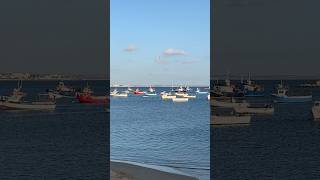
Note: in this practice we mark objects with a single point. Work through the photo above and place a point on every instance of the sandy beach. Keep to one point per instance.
(128, 171)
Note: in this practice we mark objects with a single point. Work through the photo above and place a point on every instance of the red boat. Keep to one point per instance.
(87, 98)
(137, 91)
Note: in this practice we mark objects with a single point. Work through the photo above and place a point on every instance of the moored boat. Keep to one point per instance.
(282, 97)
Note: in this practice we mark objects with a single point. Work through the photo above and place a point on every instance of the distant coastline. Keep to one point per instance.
(48, 77)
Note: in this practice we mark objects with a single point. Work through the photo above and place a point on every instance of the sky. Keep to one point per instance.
(45, 36)
(266, 38)
(160, 42)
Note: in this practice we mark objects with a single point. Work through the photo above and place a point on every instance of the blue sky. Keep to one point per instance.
(160, 42)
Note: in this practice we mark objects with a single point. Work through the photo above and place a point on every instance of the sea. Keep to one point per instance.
(71, 142)
(159, 132)
(283, 146)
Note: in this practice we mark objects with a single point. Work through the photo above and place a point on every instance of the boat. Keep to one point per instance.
(201, 92)
(180, 99)
(61, 91)
(228, 104)
(254, 110)
(168, 96)
(137, 91)
(316, 110)
(16, 102)
(230, 120)
(208, 97)
(86, 97)
(282, 97)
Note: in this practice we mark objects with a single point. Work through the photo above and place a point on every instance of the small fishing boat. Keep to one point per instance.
(267, 109)
(137, 91)
(230, 120)
(150, 94)
(86, 97)
(282, 97)
(201, 92)
(316, 110)
(16, 101)
(180, 99)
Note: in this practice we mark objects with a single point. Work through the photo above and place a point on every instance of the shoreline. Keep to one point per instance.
(122, 170)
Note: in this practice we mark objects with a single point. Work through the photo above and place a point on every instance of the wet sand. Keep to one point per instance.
(128, 171)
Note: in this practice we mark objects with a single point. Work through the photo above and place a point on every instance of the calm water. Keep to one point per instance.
(150, 130)
(69, 143)
(283, 146)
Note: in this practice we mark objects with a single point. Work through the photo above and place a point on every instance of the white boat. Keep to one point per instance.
(208, 97)
(200, 92)
(282, 97)
(180, 99)
(316, 110)
(254, 110)
(168, 96)
(228, 104)
(230, 120)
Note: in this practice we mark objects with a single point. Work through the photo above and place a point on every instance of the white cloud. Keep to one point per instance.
(130, 48)
(174, 52)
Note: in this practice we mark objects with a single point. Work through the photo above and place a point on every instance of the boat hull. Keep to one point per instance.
(249, 110)
(88, 99)
(293, 99)
(180, 99)
(230, 120)
(28, 106)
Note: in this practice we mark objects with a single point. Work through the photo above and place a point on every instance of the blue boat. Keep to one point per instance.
(282, 97)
